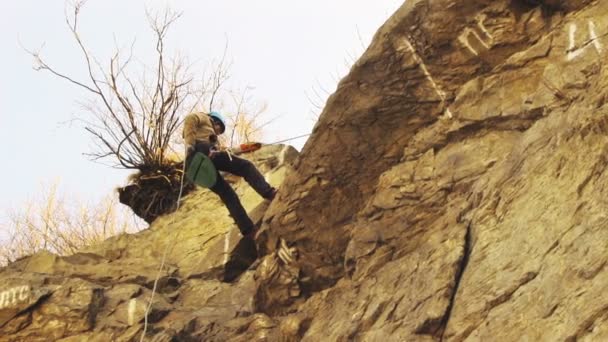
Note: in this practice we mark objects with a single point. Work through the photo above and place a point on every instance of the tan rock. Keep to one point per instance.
(454, 189)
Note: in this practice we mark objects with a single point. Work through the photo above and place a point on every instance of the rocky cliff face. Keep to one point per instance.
(453, 189)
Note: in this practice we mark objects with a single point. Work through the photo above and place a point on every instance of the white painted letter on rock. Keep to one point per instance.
(14, 296)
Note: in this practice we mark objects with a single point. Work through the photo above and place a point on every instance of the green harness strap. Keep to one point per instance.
(201, 171)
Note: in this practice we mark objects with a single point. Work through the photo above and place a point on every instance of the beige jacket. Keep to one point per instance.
(198, 126)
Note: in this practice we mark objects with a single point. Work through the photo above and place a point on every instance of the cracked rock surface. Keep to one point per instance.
(453, 189)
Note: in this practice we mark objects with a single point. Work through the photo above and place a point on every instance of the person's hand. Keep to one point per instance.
(212, 152)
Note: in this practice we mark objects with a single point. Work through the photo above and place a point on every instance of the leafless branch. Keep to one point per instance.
(219, 77)
(136, 119)
(138, 108)
(61, 227)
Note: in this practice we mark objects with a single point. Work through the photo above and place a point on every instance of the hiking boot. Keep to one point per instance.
(271, 194)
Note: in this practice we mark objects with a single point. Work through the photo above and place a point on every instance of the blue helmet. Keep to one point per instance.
(219, 118)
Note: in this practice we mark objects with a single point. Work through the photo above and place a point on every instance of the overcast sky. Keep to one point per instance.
(287, 51)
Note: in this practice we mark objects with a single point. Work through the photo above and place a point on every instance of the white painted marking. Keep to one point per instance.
(131, 311)
(14, 296)
(14, 293)
(4, 299)
(428, 75)
(486, 45)
(226, 246)
(487, 42)
(572, 34)
(574, 51)
(464, 39)
(594, 39)
(24, 293)
(480, 19)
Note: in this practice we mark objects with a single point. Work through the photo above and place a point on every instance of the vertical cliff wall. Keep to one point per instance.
(453, 189)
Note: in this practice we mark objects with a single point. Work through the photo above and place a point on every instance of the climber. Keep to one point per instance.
(200, 135)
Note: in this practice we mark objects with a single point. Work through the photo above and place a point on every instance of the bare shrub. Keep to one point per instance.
(136, 110)
(62, 226)
(246, 120)
(134, 114)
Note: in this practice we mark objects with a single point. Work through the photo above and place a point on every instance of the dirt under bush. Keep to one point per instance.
(154, 193)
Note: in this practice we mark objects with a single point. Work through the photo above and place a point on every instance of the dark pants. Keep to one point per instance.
(240, 167)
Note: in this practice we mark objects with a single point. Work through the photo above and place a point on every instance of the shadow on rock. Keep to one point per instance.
(242, 256)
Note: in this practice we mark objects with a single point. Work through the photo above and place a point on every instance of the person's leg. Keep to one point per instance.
(232, 202)
(244, 168)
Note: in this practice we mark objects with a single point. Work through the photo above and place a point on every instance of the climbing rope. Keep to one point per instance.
(289, 139)
(164, 257)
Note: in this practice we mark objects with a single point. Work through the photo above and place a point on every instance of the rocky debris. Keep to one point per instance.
(453, 189)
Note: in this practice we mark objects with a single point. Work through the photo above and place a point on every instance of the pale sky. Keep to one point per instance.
(285, 50)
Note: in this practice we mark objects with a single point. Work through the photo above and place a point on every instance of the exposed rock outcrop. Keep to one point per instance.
(466, 199)
(102, 293)
(453, 189)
